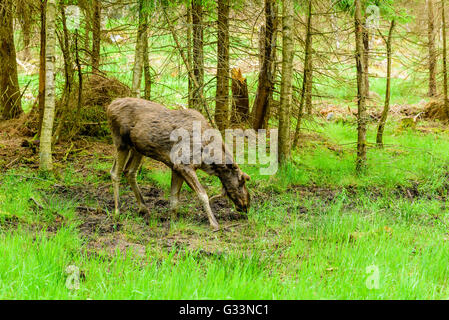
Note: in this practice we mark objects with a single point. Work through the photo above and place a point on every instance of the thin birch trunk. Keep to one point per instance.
(42, 68)
(49, 111)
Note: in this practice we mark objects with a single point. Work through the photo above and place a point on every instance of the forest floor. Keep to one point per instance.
(315, 230)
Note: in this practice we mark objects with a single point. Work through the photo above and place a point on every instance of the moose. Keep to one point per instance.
(141, 128)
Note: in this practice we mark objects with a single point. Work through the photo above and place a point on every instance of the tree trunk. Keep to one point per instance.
(42, 66)
(431, 32)
(240, 101)
(138, 60)
(222, 94)
(383, 118)
(366, 48)
(307, 81)
(87, 28)
(96, 36)
(262, 33)
(10, 104)
(286, 82)
(68, 72)
(189, 52)
(75, 128)
(361, 89)
(80, 73)
(49, 111)
(26, 41)
(266, 77)
(446, 101)
(146, 61)
(198, 53)
(25, 17)
(273, 58)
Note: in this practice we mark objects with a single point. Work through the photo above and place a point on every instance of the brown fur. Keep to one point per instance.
(142, 128)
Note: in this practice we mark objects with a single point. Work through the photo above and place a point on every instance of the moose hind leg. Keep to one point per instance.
(131, 170)
(116, 171)
(192, 180)
(176, 183)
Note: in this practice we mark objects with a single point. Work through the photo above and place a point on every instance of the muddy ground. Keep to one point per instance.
(103, 232)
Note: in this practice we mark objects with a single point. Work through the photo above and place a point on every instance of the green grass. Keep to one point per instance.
(315, 245)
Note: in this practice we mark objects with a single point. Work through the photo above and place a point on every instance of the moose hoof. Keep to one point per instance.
(215, 227)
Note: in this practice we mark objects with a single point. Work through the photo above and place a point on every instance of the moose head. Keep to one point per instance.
(233, 180)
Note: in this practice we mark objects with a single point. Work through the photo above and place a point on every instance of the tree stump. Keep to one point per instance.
(240, 101)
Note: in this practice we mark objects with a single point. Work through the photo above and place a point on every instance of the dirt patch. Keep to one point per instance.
(326, 194)
(105, 235)
(15, 127)
(96, 223)
(9, 222)
(411, 192)
(110, 244)
(95, 218)
(12, 154)
(153, 199)
(225, 211)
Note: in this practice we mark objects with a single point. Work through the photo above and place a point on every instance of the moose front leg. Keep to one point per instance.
(191, 178)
